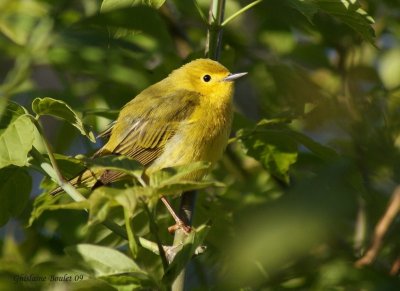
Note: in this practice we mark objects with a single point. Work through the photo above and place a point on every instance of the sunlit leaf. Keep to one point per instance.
(132, 281)
(15, 187)
(11, 112)
(175, 180)
(103, 199)
(103, 261)
(59, 109)
(16, 140)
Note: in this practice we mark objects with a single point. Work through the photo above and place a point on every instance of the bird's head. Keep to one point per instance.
(207, 77)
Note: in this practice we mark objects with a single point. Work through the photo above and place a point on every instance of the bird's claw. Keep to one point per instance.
(180, 225)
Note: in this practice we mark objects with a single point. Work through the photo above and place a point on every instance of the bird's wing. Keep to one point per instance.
(143, 127)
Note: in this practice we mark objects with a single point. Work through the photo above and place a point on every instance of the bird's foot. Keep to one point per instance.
(180, 225)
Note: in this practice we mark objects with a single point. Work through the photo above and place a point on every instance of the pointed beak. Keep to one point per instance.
(233, 77)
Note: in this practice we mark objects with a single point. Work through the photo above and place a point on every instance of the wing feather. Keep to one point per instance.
(142, 131)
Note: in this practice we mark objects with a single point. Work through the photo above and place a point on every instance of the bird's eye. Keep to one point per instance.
(206, 78)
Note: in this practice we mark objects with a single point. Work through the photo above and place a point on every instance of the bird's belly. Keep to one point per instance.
(185, 148)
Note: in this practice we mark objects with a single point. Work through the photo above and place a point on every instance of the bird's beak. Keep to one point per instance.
(233, 77)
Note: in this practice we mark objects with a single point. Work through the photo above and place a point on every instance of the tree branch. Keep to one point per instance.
(381, 229)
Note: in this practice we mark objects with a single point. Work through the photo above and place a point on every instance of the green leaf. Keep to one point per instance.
(276, 146)
(108, 5)
(11, 112)
(175, 180)
(190, 244)
(347, 11)
(42, 202)
(69, 166)
(118, 163)
(16, 141)
(103, 199)
(15, 187)
(307, 8)
(276, 151)
(176, 174)
(183, 186)
(103, 261)
(59, 109)
(132, 281)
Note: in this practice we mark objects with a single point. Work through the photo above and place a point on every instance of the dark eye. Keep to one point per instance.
(206, 78)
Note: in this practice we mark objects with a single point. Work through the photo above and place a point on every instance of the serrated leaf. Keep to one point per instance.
(16, 141)
(15, 187)
(190, 244)
(59, 109)
(276, 146)
(103, 261)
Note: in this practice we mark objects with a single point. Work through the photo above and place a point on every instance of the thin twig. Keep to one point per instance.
(381, 229)
(198, 8)
(239, 12)
(394, 270)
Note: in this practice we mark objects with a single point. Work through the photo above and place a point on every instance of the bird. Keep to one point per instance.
(182, 119)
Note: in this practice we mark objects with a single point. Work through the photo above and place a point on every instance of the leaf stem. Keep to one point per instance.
(132, 242)
(198, 8)
(153, 230)
(239, 12)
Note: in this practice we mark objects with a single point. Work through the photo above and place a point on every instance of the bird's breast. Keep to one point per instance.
(203, 138)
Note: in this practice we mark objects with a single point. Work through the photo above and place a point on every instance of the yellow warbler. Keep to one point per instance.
(184, 118)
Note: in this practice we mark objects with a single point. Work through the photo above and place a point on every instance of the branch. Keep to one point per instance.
(381, 229)
(188, 199)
